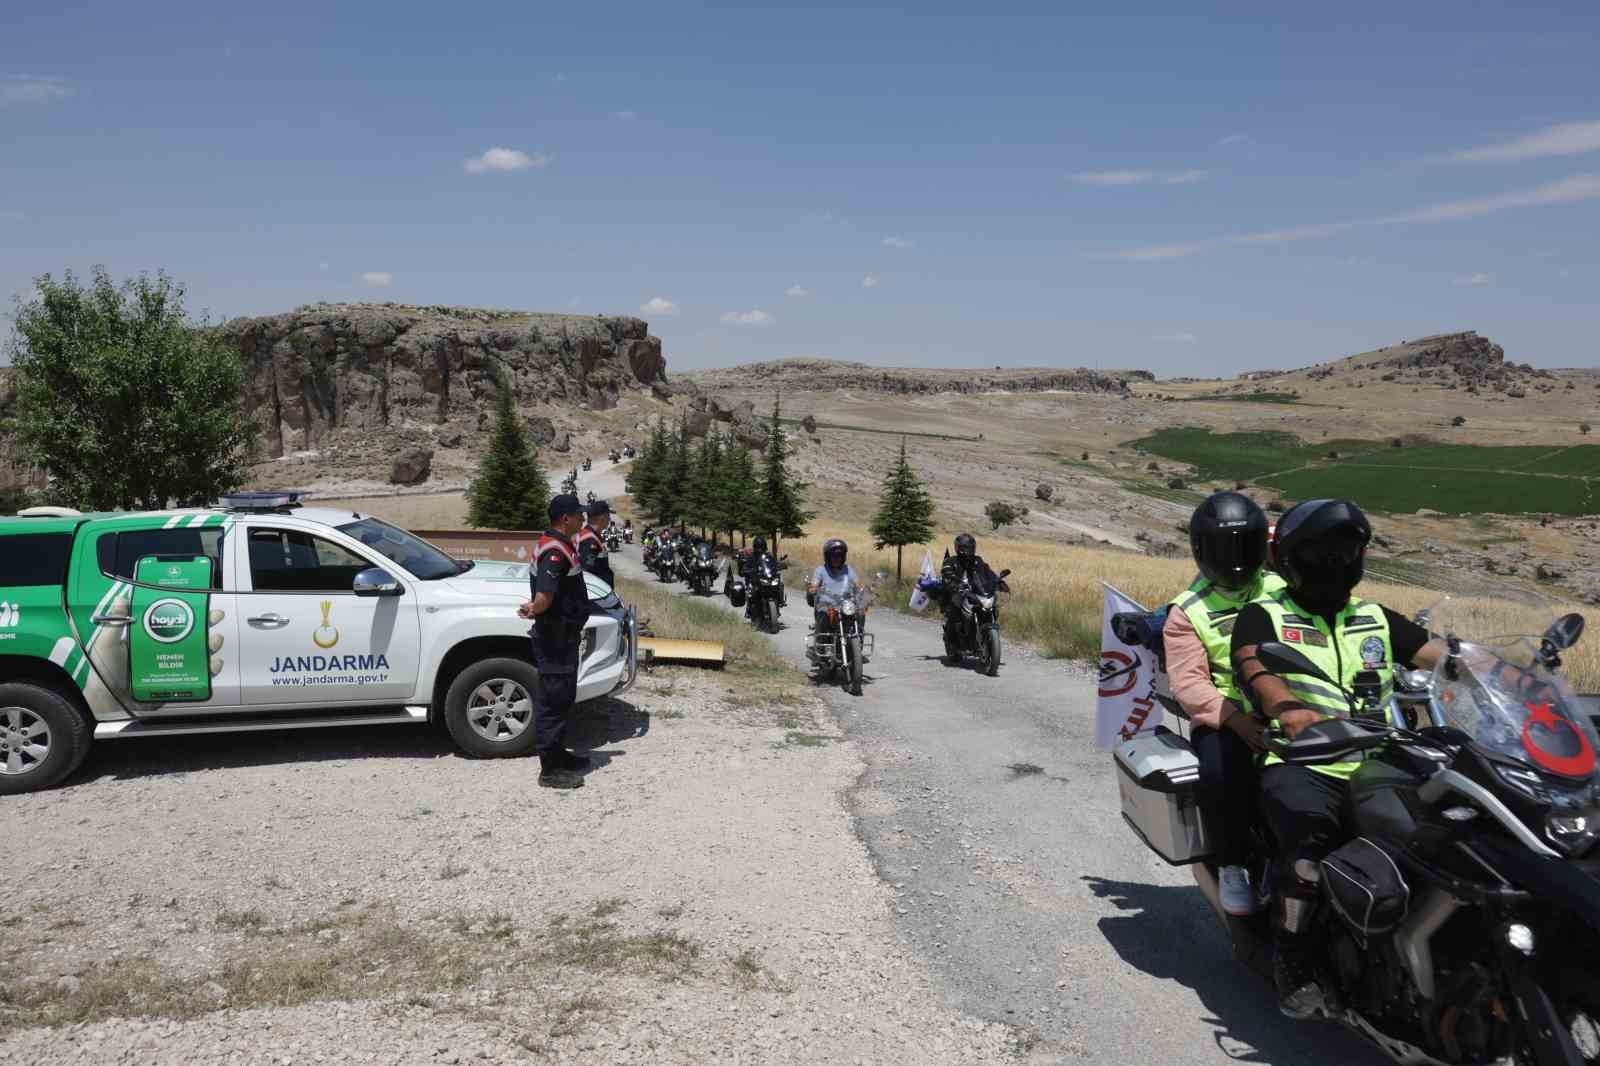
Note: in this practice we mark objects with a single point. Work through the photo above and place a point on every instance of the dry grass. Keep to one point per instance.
(1058, 600)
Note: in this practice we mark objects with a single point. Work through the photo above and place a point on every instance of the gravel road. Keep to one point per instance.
(987, 809)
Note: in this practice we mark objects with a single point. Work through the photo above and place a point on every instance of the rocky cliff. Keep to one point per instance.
(822, 374)
(327, 367)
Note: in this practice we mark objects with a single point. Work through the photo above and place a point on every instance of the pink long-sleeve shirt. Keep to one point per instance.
(1189, 673)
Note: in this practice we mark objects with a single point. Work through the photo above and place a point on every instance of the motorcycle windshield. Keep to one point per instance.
(704, 552)
(982, 582)
(1522, 712)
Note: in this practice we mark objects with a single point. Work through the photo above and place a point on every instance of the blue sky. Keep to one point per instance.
(1192, 188)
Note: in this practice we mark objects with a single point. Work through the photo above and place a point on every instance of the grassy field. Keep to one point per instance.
(1452, 478)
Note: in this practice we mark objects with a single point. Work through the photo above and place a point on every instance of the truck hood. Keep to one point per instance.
(498, 581)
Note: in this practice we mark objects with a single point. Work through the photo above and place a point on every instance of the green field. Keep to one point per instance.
(1452, 478)
(1252, 397)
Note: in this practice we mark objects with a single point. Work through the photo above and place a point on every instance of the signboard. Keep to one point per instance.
(506, 546)
(169, 656)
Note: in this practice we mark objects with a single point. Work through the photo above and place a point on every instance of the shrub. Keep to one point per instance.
(999, 513)
(1458, 420)
(1584, 427)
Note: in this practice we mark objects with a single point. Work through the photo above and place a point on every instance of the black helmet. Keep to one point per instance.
(966, 545)
(1228, 536)
(1320, 547)
(759, 544)
(835, 546)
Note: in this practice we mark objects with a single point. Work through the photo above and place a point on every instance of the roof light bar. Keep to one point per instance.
(261, 501)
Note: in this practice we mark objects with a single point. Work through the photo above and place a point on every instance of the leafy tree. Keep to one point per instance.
(999, 513)
(1584, 427)
(125, 400)
(905, 511)
(511, 490)
(782, 510)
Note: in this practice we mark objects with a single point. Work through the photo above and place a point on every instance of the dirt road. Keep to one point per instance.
(986, 807)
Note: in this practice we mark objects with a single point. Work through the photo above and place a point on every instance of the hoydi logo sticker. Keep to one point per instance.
(168, 621)
(326, 635)
(10, 615)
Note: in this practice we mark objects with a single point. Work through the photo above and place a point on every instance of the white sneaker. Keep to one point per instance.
(1237, 898)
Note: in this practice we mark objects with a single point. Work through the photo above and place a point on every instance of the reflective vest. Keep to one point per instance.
(1211, 611)
(1356, 652)
(571, 609)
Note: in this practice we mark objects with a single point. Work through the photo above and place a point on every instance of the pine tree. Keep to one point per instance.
(705, 493)
(510, 491)
(672, 490)
(739, 501)
(905, 510)
(644, 476)
(782, 508)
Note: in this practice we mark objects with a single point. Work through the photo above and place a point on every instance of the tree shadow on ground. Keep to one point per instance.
(1156, 936)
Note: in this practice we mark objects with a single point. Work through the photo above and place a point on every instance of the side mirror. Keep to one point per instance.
(1564, 631)
(376, 581)
(1281, 659)
(1004, 574)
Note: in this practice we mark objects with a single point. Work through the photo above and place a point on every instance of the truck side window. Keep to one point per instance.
(34, 559)
(288, 560)
(119, 552)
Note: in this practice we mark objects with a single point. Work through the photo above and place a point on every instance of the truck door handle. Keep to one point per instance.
(111, 619)
(268, 621)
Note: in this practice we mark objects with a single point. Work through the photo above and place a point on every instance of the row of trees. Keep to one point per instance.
(718, 484)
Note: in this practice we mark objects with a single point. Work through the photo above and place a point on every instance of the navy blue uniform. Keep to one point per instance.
(557, 636)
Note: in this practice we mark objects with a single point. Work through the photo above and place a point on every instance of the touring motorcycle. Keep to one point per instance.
(666, 563)
(613, 539)
(1462, 923)
(975, 627)
(842, 647)
(702, 568)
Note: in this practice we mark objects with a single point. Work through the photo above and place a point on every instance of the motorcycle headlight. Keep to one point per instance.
(986, 602)
(1572, 832)
(848, 609)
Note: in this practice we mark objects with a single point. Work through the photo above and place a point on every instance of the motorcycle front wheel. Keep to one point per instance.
(771, 614)
(853, 659)
(991, 653)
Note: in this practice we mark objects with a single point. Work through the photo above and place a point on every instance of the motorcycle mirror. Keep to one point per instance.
(1564, 631)
(1004, 574)
(1282, 659)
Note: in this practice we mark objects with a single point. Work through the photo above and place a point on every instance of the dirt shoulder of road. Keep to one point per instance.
(349, 896)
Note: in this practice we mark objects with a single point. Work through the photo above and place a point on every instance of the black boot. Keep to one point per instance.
(1300, 995)
(553, 774)
(571, 760)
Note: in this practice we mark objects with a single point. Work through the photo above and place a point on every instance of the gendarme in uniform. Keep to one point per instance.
(558, 631)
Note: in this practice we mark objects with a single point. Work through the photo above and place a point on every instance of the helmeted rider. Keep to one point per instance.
(965, 565)
(832, 580)
(1320, 548)
(1228, 539)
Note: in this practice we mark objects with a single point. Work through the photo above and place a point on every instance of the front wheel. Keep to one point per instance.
(771, 614)
(991, 653)
(852, 652)
(488, 708)
(43, 738)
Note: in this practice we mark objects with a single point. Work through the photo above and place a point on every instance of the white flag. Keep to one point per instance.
(1128, 703)
(919, 598)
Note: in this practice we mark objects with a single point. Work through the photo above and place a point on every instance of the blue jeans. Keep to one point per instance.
(1227, 794)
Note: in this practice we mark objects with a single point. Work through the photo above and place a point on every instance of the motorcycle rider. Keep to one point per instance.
(592, 542)
(1228, 539)
(831, 581)
(965, 565)
(1320, 548)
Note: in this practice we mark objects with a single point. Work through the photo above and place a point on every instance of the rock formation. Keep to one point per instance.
(326, 367)
(815, 374)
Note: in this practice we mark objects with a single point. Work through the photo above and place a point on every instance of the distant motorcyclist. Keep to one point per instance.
(1320, 548)
(1228, 539)
(833, 580)
(966, 565)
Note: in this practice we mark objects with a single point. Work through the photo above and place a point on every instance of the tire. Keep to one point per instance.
(991, 653)
(1579, 1006)
(29, 713)
(852, 652)
(771, 614)
(482, 724)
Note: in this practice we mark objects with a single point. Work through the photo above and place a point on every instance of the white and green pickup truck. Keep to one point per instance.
(258, 614)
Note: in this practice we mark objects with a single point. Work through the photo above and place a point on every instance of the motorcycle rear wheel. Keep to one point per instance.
(853, 658)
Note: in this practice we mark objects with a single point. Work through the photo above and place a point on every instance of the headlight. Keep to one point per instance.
(847, 609)
(1572, 832)
(986, 602)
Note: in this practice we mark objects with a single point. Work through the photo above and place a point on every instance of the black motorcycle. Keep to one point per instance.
(613, 539)
(1462, 923)
(702, 569)
(974, 624)
(666, 562)
(760, 592)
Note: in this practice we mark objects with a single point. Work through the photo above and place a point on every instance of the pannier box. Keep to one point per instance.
(1158, 775)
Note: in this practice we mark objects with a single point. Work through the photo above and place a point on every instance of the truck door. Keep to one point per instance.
(307, 637)
(119, 585)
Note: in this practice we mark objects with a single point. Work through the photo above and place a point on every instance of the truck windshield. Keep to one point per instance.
(421, 559)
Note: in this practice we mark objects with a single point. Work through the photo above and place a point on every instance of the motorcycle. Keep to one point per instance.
(587, 466)
(615, 456)
(702, 567)
(627, 534)
(684, 552)
(843, 646)
(763, 596)
(613, 539)
(1462, 923)
(627, 452)
(975, 628)
(666, 563)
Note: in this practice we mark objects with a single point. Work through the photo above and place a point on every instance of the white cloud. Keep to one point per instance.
(1472, 279)
(659, 305)
(870, 281)
(1577, 188)
(1569, 138)
(748, 318)
(505, 159)
(897, 242)
(378, 279)
(1110, 178)
(1177, 338)
(32, 89)
(796, 290)
(626, 116)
